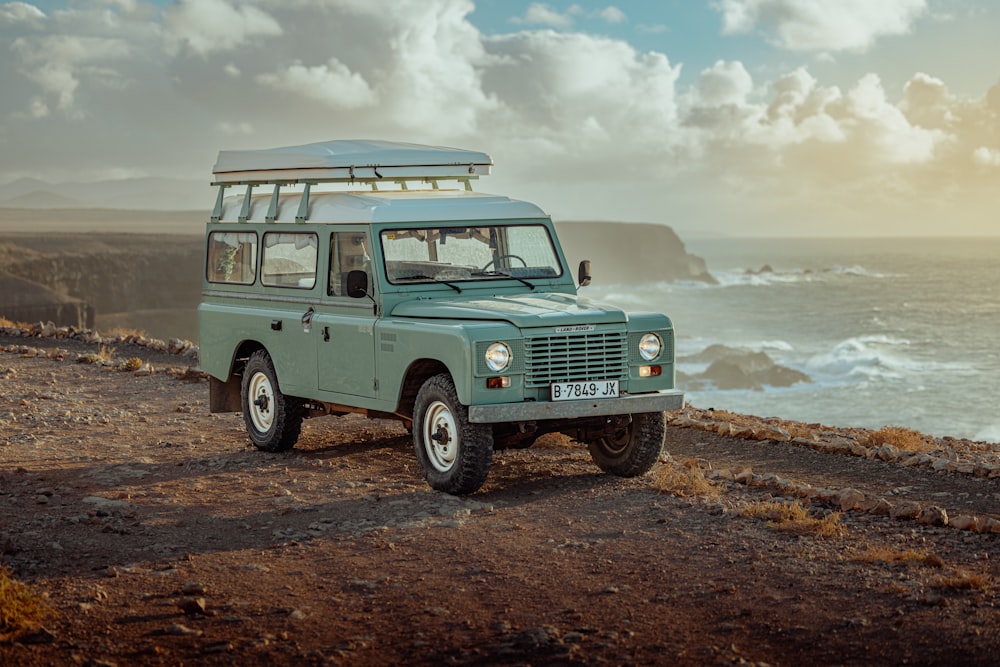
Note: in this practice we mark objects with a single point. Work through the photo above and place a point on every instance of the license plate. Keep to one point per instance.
(575, 391)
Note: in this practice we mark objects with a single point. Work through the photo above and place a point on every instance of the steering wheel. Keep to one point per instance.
(499, 257)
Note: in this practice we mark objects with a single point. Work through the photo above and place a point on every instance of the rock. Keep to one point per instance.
(858, 450)
(933, 516)
(964, 522)
(193, 588)
(888, 452)
(906, 509)
(849, 498)
(882, 507)
(191, 606)
(940, 465)
(181, 630)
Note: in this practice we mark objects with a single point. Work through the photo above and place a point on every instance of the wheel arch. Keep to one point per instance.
(224, 395)
(416, 375)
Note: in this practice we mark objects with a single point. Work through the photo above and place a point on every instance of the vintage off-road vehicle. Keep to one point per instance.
(450, 310)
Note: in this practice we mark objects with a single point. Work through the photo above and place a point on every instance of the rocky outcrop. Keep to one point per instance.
(626, 252)
(115, 282)
(74, 279)
(26, 301)
(736, 368)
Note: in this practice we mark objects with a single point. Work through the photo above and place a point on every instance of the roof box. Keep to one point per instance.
(349, 161)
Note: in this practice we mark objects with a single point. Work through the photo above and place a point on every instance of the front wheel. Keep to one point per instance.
(273, 420)
(633, 449)
(454, 453)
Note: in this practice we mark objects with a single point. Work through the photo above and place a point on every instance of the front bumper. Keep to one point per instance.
(672, 399)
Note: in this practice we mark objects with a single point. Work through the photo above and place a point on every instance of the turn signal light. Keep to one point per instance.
(498, 382)
(650, 371)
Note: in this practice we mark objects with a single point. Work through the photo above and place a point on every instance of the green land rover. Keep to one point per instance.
(358, 284)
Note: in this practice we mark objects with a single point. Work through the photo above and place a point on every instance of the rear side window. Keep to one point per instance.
(232, 257)
(289, 260)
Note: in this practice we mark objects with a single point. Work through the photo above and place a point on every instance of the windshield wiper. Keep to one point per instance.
(505, 275)
(437, 280)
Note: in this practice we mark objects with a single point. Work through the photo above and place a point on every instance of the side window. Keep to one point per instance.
(232, 257)
(348, 252)
(289, 260)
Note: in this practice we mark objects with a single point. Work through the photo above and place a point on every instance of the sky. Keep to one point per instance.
(722, 117)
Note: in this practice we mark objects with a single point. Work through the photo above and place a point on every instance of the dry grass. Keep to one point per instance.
(129, 365)
(882, 554)
(964, 581)
(126, 332)
(103, 356)
(683, 480)
(905, 438)
(793, 517)
(20, 608)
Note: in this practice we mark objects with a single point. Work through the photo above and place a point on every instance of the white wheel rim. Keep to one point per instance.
(441, 451)
(617, 444)
(260, 399)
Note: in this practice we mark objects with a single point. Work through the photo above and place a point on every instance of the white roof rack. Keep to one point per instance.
(349, 161)
(341, 161)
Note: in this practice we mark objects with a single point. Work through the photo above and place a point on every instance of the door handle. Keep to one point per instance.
(326, 334)
(307, 319)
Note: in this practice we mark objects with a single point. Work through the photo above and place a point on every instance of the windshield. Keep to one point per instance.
(454, 254)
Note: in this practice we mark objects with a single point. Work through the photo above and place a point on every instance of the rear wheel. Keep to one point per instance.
(273, 420)
(454, 453)
(632, 449)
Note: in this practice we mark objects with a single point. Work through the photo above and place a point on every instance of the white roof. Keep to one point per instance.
(349, 160)
(390, 206)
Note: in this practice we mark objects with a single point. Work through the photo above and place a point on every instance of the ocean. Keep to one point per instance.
(899, 332)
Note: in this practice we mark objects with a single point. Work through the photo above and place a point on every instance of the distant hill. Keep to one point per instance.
(42, 199)
(157, 194)
(35, 221)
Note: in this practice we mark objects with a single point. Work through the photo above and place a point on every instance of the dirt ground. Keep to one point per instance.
(160, 537)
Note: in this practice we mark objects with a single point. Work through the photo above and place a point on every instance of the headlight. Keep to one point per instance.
(650, 346)
(497, 357)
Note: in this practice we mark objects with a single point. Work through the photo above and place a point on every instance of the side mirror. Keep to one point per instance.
(583, 273)
(357, 284)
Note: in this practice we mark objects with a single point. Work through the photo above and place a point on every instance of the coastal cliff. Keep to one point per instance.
(631, 252)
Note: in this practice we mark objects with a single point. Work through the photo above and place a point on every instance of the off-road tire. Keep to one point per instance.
(273, 420)
(634, 449)
(459, 461)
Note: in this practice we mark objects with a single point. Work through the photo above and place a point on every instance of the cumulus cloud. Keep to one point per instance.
(568, 87)
(209, 26)
(20, 12)
(987, 157)
(612, 15)
(806, 25)
(331, 83)
(540, 13)
(58, 63)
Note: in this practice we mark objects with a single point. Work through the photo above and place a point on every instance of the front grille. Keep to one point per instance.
(575, 357)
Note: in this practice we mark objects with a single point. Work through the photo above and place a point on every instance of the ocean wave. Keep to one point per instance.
(876, 357)
(988, 434)
(767, 277)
